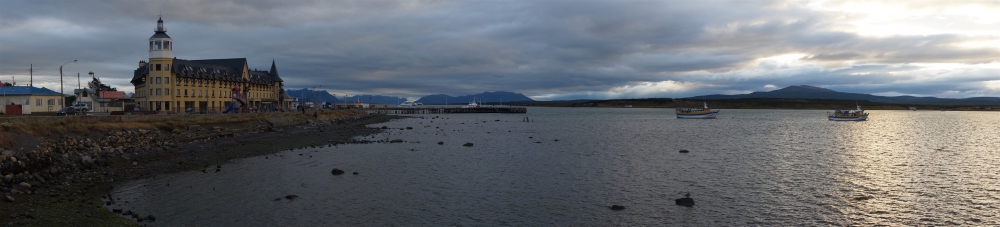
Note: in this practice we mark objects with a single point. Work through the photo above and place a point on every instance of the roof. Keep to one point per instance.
(26, 90)
(113, 94)
(160, 35)
(214, 69)
(234, 63)
(274, 72)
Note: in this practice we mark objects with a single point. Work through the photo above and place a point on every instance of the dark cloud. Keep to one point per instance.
(548, 49)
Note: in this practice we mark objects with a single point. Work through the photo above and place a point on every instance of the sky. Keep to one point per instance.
(547, 50)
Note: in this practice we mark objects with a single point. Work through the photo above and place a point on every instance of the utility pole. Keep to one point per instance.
(31, 72)
(78, 85)
(62, 94)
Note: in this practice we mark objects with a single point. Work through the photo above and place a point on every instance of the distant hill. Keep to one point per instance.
(315, 96)
(491, 97)
(377, 99)
(810, 92)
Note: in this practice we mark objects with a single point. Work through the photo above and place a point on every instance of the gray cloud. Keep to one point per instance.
(549, 49)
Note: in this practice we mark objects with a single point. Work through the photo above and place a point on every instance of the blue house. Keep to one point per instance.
(31, 99)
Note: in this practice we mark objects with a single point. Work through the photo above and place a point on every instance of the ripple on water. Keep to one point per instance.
(754, 167)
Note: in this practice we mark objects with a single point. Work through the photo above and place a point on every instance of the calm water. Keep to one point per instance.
(750, 167)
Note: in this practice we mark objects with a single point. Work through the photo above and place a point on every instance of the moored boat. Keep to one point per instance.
(407, 104)
(849, 115)
(703, 113)
(472, 104)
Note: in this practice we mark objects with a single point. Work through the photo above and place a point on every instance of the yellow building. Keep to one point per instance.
(169, 84)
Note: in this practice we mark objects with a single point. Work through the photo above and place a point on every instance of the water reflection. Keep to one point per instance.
(750, 167)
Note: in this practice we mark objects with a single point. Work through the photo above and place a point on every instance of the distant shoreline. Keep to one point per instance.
(761, 103)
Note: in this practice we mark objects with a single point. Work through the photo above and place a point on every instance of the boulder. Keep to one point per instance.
(8, 198)
(87, 161)
(151, 217)
(291, 197)
(684, 151)
(688, 202)
(617, 207)
(355, 173)
(467, 144)
(336, 171)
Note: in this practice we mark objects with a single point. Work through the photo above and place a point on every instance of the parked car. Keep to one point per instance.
(66, 111)
(81, 107)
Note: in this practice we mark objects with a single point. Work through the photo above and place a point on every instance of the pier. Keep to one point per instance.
(432, 110)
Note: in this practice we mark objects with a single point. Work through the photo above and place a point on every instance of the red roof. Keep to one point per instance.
(112, 94)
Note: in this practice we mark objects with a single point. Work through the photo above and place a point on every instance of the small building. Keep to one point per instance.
(31, 99)
(101, 101)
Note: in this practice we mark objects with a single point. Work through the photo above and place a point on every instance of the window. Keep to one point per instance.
(166, 91)
(167, 67)
(158, 46)
(166, 45)
(150, 45)
(178, 92)
(52, 102)
(150, 92)
(166, 80)
(157, 91)
(185, 92)
(38, 102)
(159, 80)
(158, 67)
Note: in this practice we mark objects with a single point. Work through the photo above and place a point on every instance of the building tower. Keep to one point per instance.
(160, 43)
(157, 82)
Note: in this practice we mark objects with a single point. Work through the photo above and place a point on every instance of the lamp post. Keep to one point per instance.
(62, 103)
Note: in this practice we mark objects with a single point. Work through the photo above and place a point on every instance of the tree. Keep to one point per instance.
(7, 84)
(99, 87)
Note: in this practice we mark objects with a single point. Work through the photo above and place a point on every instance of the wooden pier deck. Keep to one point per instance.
(432, 110)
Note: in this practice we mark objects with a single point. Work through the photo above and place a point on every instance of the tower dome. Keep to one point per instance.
(160, 44)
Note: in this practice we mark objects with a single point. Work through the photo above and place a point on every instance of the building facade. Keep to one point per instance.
(168, 84)
(31, 99)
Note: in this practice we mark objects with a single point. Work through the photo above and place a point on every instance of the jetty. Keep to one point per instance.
(439, 110)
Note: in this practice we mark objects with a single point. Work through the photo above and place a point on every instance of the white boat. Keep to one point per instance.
(472, 104)
(849, 115)
(703, 113)
(408, 104)
(418, 104)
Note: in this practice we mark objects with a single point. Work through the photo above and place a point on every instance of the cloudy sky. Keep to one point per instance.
(547, 50)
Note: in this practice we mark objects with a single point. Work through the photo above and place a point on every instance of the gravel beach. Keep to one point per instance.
(65, 181)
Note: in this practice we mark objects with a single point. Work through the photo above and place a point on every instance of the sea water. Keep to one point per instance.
(566, 166)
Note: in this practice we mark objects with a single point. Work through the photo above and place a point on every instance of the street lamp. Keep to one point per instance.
(62, 103)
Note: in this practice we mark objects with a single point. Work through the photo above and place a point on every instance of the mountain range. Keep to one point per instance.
(490, 97)
(319, 96)
(315, 96)
(811, 92)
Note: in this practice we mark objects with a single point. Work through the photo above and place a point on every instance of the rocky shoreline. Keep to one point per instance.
(65, 181)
